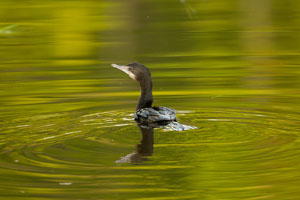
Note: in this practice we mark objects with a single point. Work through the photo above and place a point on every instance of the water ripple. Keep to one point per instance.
(88, 150)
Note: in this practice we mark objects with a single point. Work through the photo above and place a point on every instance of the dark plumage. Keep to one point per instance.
(145, 113)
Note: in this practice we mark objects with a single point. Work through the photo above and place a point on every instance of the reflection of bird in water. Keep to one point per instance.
(144, 149)
(145, 113)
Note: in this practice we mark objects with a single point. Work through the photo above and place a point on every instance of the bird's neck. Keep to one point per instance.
(146, 99)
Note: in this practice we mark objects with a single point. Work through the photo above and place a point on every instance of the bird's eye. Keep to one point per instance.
(130, 68)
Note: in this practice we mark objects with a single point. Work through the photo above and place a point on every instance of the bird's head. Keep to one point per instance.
(135, 71)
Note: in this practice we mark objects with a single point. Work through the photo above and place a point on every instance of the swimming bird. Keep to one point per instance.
(145, 113)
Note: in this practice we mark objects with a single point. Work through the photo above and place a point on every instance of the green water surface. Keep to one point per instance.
(231, 68)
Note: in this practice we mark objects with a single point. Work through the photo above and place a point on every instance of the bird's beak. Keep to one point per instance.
(125, 69)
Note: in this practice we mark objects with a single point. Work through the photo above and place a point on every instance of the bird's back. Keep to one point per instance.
(155, 114)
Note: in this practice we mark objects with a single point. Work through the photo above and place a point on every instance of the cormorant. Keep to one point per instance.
(145, 113)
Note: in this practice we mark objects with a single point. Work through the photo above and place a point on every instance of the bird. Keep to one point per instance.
(145, 112)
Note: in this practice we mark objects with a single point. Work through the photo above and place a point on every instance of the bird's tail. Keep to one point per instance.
(176, 126)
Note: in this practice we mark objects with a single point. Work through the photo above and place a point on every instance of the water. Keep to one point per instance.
(231, 68)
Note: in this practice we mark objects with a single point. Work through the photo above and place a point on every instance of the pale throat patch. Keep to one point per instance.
(131, 75)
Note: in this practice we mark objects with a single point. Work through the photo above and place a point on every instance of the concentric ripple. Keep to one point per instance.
(241, 152)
